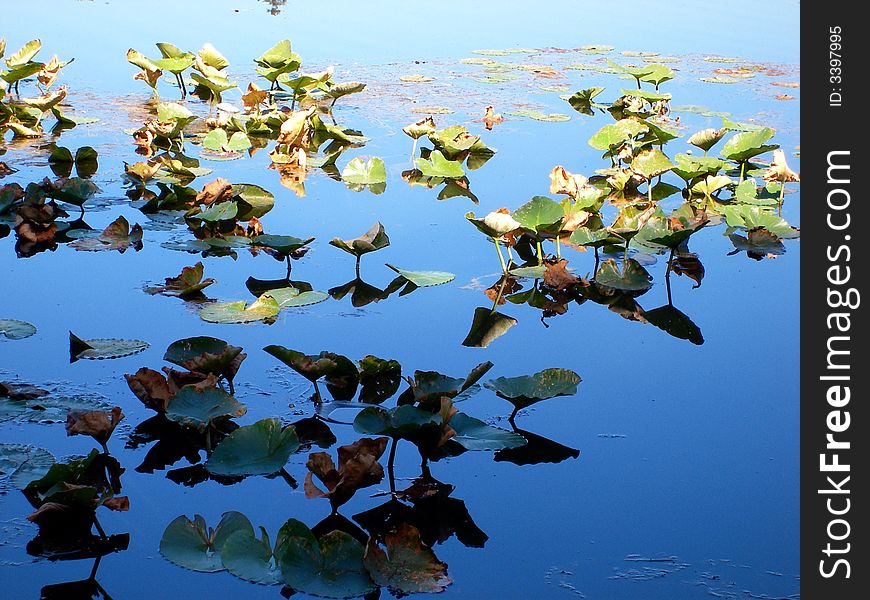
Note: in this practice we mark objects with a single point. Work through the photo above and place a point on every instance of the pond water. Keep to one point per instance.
(673, 470)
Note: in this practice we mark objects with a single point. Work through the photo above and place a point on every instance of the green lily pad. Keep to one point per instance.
(707, 138)
(264, 307)
(103, 348)
(361, 172)
(14, 329)
(596, 49)
(253, 200)
(218, 141)
(424, 278)
(540, 214)
(408, 566)
(20, 464)
(331, 567)
(294, 297)
(474, 434)
(582, 100)
(372, 240)
(416, 79)
(283, 244)
(198, 408)
(745, 145)
(632, 277)
(252, 559)
(438, 166)
(53, 408)
(205, 354)
(192, 545)
(259, 449)
(527, 390)
(395, 422)
(540, 116)
(616, 134)
(650, 163)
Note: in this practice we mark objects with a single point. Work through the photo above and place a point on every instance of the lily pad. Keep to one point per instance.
(527, 390)
(264, 307)
(20, 464)
(540, 116)
(14, 329)
(192, 545)
(474, 434)
(253, 559)
(408, 566)
(103, 348)
(540, 215)
(438, 166)
(748, 144)
(259, 449)
(631, 277)
(396, 422)
(424, 278)
(331, 566)
(372, 240)
(118, 235)
(288, 297)
(190, 406)
(188, 283)
(362, 172)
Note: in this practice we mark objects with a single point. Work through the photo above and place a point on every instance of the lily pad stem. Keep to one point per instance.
(390, 470)
(99, 528)
(357, 266)
(289, 266)
(668, 277)
(500, 257)
(540, 252)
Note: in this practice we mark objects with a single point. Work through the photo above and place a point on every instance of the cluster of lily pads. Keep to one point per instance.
(392, 544)
(23, 116)
(619, 211)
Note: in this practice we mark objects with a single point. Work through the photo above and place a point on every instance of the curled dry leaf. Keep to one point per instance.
(556, 275)
(779, 170)
(563, 182)
(48, 75)
(99, 424)
(358, 468)
(214, 192)
(420, 128)
(156, 390)
(491, 118)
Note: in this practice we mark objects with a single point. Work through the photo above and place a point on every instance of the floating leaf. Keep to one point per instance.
(252, 559)
(117, 236)
(294, 297)
(527, 390)
(582, 100)
(331, 566)
(194, 546)
(396, 422)
(540, 116)
(259, 449)
(191, 406)
(632, 277)
(424, 278)
(14, 329)
(20, 464)
(748, 144)
(188, 283)
(103, 348)
(540, 215)
(408, 566)
(474, 434)
(650, 163)
(374, 239)
(207, 355)
(438, 166)
(264, 307)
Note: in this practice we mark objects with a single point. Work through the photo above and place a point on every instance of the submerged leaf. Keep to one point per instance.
(408, 566)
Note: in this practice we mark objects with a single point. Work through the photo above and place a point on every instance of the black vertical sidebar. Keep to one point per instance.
(834, 335)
